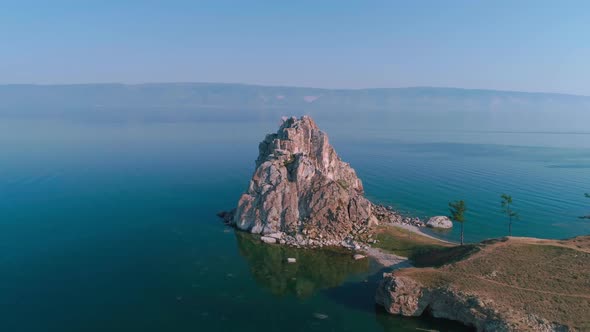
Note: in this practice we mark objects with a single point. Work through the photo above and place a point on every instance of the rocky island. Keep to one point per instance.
(303, 195)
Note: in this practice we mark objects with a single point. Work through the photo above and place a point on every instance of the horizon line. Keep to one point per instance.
(294, 87)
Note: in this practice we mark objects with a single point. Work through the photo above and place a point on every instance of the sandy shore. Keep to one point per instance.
(417, 230)
(394, 261)
(387, 259)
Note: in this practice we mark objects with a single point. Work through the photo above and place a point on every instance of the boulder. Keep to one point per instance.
(267, 239)
(227, 216)
(277, 235)
(439, 222)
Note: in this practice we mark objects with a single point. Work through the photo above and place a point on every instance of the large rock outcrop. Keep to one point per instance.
(509, 284)
(302, 190)
(407, 297)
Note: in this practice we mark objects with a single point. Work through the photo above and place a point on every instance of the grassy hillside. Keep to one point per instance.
(549, 279)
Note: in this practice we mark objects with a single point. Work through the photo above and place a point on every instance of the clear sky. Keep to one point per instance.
(509, 45)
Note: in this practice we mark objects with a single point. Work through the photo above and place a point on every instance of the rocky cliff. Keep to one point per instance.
(301, 191)
(405, 296)
(515, 284)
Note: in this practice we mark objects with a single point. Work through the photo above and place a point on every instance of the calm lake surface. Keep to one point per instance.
(112, 227)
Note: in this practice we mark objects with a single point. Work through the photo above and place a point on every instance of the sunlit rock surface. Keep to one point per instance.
(302, 189)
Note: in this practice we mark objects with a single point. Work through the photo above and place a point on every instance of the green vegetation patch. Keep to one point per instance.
(440, 256)
(343, 184)
(423, 251)
(289, 161)
(403, 242)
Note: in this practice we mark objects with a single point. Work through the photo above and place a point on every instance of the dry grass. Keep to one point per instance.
(550, 279)
(404, 242)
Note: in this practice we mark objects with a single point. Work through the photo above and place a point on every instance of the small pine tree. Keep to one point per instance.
(507, 209)
(457, 210)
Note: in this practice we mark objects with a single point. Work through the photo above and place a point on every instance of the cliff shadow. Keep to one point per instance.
(360, 295)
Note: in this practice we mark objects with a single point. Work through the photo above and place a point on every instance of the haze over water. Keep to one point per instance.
(116, 154)
(112, 226)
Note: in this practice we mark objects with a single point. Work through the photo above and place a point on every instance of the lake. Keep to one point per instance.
(112, 226)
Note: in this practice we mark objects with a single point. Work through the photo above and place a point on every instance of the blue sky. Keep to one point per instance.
(508, 45)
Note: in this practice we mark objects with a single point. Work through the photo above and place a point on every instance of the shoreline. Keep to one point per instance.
(388, 260)
(358, 240)
(392, 261)
(418, 231)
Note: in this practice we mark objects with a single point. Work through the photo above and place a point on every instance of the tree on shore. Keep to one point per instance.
(457, 210)
(507, 209)
(588, 216)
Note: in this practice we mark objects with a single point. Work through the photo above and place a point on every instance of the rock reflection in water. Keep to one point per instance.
(314, 269)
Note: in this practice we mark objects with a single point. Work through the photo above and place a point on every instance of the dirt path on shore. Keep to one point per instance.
(527, 289)
(387, 259)
(570, 243)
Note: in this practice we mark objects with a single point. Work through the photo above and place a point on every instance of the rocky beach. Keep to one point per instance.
(302, 194)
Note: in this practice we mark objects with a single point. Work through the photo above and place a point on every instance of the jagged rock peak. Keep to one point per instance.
(302, 188)
(301, 138)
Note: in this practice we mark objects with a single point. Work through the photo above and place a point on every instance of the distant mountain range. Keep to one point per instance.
(211, 101)
(240, 95)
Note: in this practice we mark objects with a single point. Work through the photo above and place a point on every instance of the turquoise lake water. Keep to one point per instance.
(113, 227)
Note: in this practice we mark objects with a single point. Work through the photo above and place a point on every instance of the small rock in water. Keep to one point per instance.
(439, 222)
(267, 239)
(358, 256)
(320, 316)
(291, 260)
(227, 216)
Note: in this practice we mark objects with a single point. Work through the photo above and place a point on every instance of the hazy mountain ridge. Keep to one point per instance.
(218, 101)
(232, 95)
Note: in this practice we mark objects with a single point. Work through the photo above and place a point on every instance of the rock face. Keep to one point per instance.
(404, 296)
(301, 188)
(387, 214)
(439, 222)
